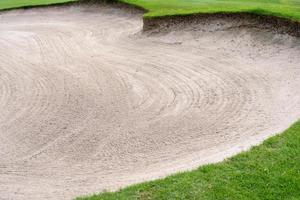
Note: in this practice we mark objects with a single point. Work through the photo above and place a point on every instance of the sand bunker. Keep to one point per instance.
(89, 102)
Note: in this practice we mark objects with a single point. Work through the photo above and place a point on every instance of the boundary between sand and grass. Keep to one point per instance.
(268, 171)
(275, 24)
(260, 20)
(31, 5)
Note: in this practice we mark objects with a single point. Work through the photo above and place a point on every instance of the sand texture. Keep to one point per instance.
(89, 101)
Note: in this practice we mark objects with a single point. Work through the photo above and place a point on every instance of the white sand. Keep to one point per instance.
(89, 103)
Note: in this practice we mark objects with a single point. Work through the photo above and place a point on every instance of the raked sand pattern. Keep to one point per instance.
(89, 102)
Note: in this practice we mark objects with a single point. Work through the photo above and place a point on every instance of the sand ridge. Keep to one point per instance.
(88, 102)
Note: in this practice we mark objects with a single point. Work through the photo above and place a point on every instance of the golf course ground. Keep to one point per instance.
(268, 171)
(96, 107)
(283, 8)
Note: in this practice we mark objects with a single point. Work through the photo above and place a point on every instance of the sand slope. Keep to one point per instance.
(89, 103)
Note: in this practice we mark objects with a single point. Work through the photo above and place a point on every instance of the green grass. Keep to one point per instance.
(281, 8)
(268, 171)
(9, 4)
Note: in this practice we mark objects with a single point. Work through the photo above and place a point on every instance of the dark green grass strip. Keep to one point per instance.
(280, 8)
(268, 171)
(11, 4)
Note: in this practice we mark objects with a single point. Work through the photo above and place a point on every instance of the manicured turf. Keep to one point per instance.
(281, 8)
(9, 4)
(268, 171)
